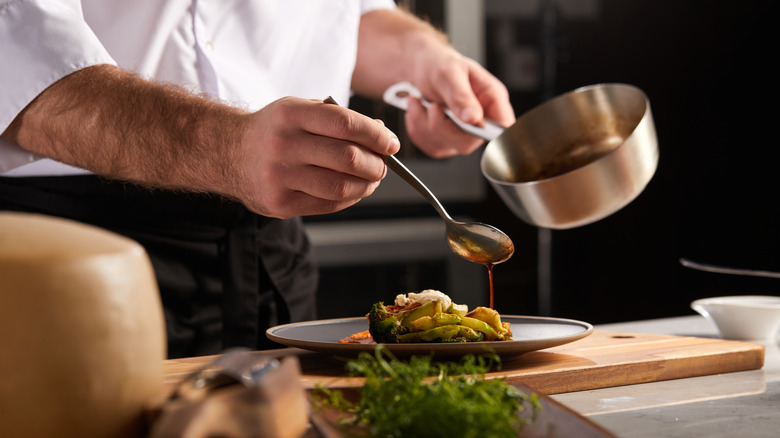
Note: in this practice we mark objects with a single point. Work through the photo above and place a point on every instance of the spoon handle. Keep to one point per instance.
(724, 270)
(402, 171)
(397, 95)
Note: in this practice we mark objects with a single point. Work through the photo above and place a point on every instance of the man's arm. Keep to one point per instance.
(116, 124)
(293, 157)
(390, 44)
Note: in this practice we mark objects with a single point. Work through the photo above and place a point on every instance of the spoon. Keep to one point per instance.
(724, 270)
(474, 241)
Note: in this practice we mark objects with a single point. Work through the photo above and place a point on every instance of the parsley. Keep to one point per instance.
(423, 398)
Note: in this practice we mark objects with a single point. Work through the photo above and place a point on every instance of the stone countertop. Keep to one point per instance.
(741, 404)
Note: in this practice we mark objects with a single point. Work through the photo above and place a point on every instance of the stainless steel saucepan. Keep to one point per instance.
(570, 161)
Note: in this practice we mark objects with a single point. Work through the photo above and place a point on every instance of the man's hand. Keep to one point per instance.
(395, 46)
(308, 157)
(463, 86)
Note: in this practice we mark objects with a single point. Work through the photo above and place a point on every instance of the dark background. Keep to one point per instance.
(707, 69)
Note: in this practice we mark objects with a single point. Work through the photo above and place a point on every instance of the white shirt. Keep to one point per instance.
(246, 53)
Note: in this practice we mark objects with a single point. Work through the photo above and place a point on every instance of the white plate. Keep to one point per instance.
(529, 333)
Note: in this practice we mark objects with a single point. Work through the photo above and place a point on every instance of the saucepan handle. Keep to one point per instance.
(397, 95)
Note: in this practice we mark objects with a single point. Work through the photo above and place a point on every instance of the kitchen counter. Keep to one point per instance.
(739, 404)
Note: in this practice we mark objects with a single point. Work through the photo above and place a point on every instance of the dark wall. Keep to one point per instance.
(707, 69)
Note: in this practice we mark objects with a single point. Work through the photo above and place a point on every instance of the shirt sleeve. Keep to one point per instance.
(42, 42)
(370, 5)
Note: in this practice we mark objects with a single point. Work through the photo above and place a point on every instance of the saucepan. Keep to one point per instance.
(572, 160)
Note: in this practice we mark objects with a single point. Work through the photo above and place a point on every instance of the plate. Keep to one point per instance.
(529, 333)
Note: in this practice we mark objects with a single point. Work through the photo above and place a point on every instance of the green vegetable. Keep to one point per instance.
(409, 316)
(444, 333)
(422, 398)
(437, 320)
(383, 325)
(480, 326)
(446, 318)
(424, 323)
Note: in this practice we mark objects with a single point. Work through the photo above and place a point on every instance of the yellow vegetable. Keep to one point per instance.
(422, 324)
(480, 326)
(489, 316)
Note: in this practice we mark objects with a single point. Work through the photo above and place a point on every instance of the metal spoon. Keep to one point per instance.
(724, 270)
(474, 241)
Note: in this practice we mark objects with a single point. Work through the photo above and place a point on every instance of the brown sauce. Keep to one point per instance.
(490, 279)
(572, 157)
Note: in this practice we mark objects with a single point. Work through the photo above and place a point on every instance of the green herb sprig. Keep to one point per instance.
(423, 398)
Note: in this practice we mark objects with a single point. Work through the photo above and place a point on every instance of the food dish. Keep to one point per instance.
(529, 334)
(431, 316)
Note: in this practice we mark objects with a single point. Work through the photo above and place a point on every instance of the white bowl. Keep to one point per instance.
(748, 317)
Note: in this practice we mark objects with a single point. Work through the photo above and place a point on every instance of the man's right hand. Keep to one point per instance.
(302, 157)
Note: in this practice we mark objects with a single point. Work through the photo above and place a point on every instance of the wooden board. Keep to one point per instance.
(608, 359)
(603, 359)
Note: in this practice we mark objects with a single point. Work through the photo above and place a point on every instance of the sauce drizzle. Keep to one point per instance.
(490, 278)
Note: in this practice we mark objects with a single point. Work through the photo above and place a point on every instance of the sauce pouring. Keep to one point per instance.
(474, 241)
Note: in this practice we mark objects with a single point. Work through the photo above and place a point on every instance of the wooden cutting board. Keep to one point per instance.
(603, 359)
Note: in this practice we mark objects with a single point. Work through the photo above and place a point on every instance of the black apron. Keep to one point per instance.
(225, 274)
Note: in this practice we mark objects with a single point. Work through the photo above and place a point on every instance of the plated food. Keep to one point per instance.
(430, 317)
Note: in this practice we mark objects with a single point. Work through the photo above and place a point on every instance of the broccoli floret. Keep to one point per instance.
(384, 326)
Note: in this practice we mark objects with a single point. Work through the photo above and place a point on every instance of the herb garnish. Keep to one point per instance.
(423, 398)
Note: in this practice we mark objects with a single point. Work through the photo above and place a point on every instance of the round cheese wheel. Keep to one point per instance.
(82, 338)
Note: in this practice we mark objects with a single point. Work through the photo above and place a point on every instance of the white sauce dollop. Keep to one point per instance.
(426, 296)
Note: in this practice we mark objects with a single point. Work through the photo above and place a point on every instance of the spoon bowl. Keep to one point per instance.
(478, 242)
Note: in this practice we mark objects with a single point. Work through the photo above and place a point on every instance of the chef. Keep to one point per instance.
(198, 128)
